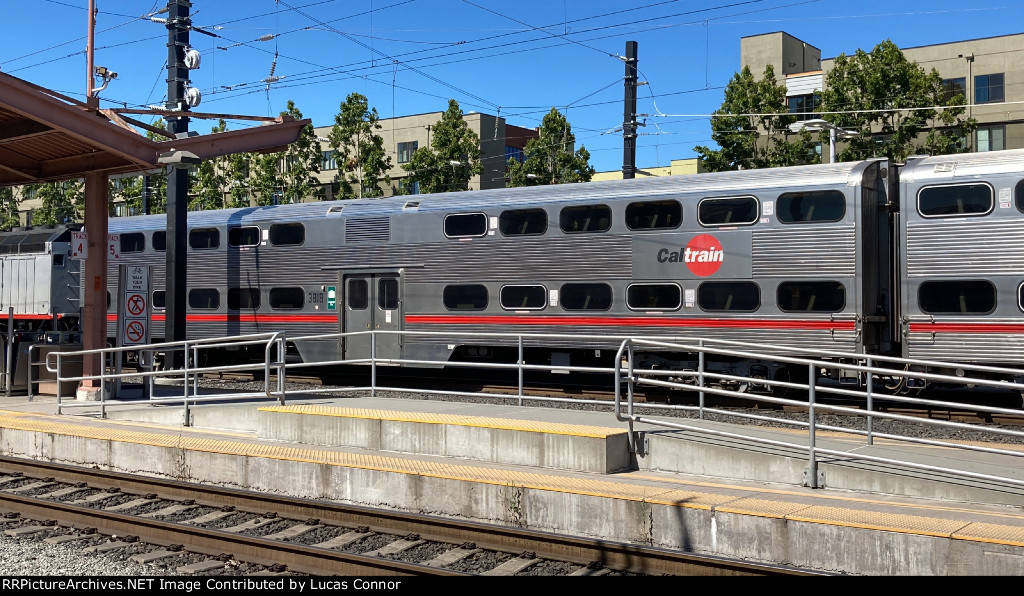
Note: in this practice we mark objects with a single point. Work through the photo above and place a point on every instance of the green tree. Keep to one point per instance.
(157, 183)
(9, 218)
(551, 158)
(874, 93)
(363, 164)
(452, 159)
(61, 202)
(750, 127)
(209, 180)
(265, 180)
(300, 161)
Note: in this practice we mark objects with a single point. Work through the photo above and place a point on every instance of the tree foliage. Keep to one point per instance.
(551, 158)
(750, 127)
(363, 164)
(61, 202)
(9, 217)
(301, 160)
(452, 158)
(872, 93)
(208, 182)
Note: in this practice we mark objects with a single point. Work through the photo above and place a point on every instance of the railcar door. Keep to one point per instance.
(372, 302)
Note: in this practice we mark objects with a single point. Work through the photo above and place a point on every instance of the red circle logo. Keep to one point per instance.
(704, 255)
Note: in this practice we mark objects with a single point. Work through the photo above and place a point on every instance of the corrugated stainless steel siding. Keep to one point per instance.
(949, 247)
(993, 348)
(804, 251)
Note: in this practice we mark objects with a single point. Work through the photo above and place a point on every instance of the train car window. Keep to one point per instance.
(244, 236)
(654, 297)
(1020, 296)
(243, 298)
(204, 298)
(585, 296)
(957, 297)
(523, 297)
(810, 207)
(585, 218)
(1019, 194)
(465, 224)
(742, 296)
(523, 222)
(387, 293)
(160, 241)
(287, 298)
(465, 297)
(654, 215)
(358, 295)
(204, 238)
(729, 211)
(955, 201)
(108, 301)
(287, 234)
(159, 299)
(133, 242)
(811, 296)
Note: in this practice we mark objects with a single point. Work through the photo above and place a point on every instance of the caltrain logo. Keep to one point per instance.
(703, 255)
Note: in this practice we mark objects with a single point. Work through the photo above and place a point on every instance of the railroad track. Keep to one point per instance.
(191, 528)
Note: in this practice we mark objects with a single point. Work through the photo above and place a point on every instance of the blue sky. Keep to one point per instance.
(516, 59)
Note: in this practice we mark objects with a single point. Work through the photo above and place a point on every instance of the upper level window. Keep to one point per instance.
(954, 87)
(523, 222)
(465, 224)
(287, 234)
(204, 238)
(465, 297)
(247, 236)
(576, 296)
(653, 297)
(405, 151)
(651, 215)
(955, 200)
(727, 211)
(988, 88)
(957, 297)
(160, 241)
(133, 242)
(1018, 193)
(813, 206)
(991, 138)
(585, 218)
(523, 297)
(729, 296)
(811, 296)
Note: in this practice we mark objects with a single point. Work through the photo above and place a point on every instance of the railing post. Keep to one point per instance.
(282, 355)
(184, 383)
(10, 352)
(373, 364)
(870, 404)
(520, 363)
(700, 378)
(811, 475)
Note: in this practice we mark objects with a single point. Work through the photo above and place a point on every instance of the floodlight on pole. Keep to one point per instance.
(834, 132)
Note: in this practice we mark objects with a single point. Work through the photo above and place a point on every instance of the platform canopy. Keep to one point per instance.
(45, 137)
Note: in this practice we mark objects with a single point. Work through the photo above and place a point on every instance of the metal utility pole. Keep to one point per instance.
(178, 24)
(629, 115)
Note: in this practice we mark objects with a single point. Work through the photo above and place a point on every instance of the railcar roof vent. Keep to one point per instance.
(948, 166)
(334, 210)
(411, 205)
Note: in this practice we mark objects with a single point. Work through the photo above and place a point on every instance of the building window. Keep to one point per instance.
(328, 161)
(731, 211)
(405, 151)
(585, 218)
(957, 297)
(651, 215)
(586, 296)
(954, 87)
(804, 106)
(465, 297)
(406, 187)
(515, 153)
(988, 88)
(523, 222)
(654, 297)
(811, 296)
(523, 297)
(729, 296)
(955, 200)
(991, 138)
(812, 206)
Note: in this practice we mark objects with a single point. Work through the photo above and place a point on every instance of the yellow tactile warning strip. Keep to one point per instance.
(603, 488)
(575, 430)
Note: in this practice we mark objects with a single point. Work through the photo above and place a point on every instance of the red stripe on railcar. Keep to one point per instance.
(967, 327)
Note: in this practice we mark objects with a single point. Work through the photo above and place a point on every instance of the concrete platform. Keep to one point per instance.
(561, 471)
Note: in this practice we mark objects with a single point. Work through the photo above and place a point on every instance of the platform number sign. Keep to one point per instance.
(80, 246)
(332, 298)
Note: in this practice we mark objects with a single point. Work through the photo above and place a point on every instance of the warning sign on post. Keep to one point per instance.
(133, 305)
